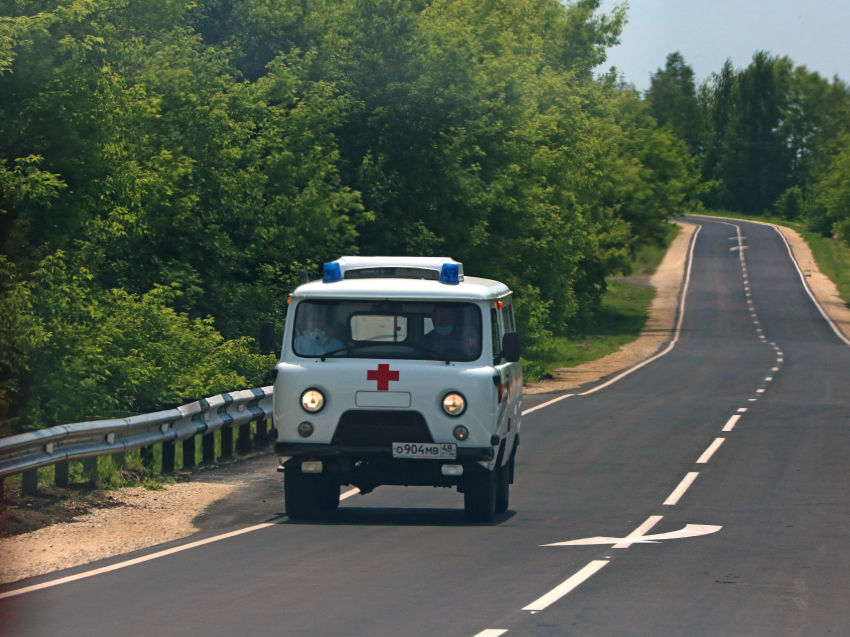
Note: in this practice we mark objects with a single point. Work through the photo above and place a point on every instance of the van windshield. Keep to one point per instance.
(388, 329)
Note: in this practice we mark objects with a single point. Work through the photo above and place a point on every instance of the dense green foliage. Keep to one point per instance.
(770, 138)
(168, 166)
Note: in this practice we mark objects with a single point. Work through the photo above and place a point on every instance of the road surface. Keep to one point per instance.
(767, 495)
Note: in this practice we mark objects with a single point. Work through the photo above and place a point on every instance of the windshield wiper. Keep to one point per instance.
(418, 348)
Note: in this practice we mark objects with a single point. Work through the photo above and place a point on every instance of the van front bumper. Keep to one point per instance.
(313, 450)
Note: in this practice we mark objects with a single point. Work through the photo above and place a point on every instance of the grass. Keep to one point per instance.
(831, 255)
(625, 308)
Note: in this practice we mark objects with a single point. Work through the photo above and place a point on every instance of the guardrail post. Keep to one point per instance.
(2, 492)
(29, 482)
(261, 440)
(63, 471)
(243, 443)
(90, 469)
(189, 453)
(146, 454)
(168, 452)
(227, 442)
(208, 447)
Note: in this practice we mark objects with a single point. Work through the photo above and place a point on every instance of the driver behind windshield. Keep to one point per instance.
(449, 337)
(314, 332)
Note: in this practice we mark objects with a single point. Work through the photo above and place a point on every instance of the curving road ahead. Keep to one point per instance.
(742, 431)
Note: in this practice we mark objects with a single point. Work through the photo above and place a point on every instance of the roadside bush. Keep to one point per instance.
(790, 204)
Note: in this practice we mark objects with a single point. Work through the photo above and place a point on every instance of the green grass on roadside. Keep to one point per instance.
(648, 257)
(625, 308)
(622, 317)
(832, 256)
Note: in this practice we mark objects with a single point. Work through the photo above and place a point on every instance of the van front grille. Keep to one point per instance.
(373, 428)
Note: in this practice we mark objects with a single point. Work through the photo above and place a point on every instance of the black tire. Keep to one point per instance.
(503, 486)
(328, 500)
(479, 496)
(308, 496)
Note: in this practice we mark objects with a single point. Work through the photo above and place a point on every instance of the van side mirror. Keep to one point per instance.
(267, 339)
(510, 347)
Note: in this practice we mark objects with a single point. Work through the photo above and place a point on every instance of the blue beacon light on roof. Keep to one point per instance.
(450, 273)
(331, 272)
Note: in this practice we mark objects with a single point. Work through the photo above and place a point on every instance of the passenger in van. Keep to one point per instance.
(313, 328)
(449, 337)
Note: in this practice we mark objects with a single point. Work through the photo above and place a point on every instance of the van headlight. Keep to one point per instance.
(312, 400)
(454, 404)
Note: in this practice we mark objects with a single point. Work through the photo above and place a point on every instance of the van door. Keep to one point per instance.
(509, 398)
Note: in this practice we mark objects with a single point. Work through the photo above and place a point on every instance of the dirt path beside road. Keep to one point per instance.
(667, 281)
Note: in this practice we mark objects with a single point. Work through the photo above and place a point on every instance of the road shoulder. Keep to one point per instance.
(822, 286)
(659, 329)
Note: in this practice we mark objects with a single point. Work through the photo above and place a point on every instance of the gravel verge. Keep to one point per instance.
(667, 281)
(142, 518)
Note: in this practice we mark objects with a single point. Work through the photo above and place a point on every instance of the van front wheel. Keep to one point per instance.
(503, 486)
(308, 496)
(479, 496)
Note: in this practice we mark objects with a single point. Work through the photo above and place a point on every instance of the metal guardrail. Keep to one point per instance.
(24, 453)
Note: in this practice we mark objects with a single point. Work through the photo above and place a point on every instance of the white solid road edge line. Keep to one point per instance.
(826, 316)
(732, 422)
(714, 446)
(679, 491)
(138, 560)
(678, 322)
(152, 556)
(559, 591)
(546, 404)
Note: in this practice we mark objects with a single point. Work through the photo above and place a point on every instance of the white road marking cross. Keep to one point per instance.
(639, 532)
(690, 530)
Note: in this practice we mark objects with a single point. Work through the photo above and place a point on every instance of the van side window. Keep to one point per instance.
(508, 316)
(496, 331)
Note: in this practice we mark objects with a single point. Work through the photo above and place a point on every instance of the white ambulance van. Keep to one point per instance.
(398, 371)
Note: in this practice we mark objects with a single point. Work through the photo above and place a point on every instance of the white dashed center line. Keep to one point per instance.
(742, 410)
(559, 591)
(731, 423)
(679, 491)
(714, 446)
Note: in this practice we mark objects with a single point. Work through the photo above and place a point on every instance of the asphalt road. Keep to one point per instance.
(403, 561)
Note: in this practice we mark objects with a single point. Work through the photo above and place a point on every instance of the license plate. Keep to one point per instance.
(425, 451)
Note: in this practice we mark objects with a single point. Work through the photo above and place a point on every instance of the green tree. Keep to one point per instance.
(672, 98)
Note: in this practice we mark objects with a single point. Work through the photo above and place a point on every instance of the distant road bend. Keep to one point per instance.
(706, 493)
